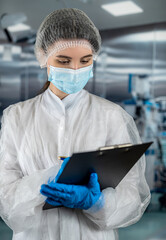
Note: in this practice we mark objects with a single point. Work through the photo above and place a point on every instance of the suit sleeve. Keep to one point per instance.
(20, 199)
(125, 204)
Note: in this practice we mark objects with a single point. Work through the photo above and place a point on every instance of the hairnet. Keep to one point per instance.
(68, 24)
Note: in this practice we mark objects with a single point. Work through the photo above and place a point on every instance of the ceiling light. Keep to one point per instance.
(19, 27)
(122, 8)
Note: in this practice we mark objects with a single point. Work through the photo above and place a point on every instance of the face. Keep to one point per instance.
(73, 58)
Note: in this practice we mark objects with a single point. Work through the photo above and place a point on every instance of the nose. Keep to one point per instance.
(75, 66)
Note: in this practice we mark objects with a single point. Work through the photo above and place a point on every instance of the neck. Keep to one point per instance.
(57, 92)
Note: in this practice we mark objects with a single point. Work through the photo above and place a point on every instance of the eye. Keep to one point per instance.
(84, 61)
(63, 62)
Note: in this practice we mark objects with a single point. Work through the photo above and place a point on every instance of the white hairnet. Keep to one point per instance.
(68, 24)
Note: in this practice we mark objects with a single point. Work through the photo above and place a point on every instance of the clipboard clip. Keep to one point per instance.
(115, 146)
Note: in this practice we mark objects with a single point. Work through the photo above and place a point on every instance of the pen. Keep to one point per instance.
(61, 157)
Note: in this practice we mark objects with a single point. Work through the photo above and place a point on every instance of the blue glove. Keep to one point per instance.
(72, 196)
(65, 161)
(56, 178)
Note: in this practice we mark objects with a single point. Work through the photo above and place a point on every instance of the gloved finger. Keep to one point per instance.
(47, 191)
(56, 199)
(61, 169)
(43, 192)
(66, 188)
(93, 180)
(53, 202)
(57, 187)
(45, 187)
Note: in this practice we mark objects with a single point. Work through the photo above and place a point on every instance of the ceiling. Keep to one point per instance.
(36, 11)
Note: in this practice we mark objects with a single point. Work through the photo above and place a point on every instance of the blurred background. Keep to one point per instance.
(130, 70)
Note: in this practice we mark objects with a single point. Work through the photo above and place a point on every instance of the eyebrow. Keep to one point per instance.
(63, 56)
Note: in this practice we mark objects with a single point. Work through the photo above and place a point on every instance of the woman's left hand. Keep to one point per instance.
(72, 196)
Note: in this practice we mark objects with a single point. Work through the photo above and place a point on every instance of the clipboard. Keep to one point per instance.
(111, 163)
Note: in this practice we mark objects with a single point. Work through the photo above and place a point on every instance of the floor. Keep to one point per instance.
(152, 226)
(5, 232)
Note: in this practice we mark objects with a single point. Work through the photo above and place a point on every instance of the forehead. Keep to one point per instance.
(74, 52)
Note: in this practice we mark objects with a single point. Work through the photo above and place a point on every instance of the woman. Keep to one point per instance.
(61, 120)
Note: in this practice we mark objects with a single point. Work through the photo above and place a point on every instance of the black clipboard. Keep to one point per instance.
(110, 163)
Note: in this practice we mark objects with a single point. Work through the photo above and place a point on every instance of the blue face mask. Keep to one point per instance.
(68, 80)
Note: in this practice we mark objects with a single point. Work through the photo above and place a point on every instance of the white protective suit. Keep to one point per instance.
(34, 133)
